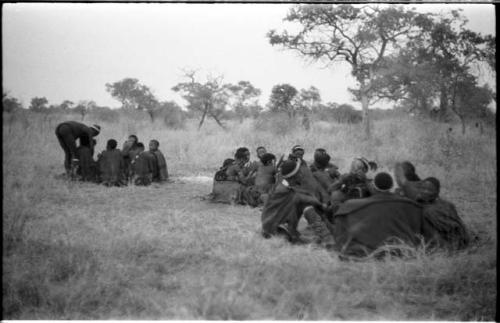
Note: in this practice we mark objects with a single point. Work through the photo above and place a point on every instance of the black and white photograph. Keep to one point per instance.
(249, 161)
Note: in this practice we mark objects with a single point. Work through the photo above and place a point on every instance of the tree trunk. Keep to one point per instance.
(217, 120)
(203, 117)
(366, 117)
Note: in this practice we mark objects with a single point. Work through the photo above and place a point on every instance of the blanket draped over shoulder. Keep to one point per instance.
(285, 206)
(112, 167)
(362, 225)
(161, 171)
(442, 216)
(86, 164)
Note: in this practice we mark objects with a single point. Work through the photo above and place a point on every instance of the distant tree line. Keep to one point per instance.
(424, 64)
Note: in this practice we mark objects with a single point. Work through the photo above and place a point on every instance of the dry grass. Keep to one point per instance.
(80, 251)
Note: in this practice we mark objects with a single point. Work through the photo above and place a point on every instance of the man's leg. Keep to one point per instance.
(67, 141)
(319, 227)
(61, 134)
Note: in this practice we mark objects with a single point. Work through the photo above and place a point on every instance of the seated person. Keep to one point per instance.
(440, 214)
(86, 168)
(143, 167)
(257, 194)
(308, 182)
(353, 184)
(286, 204)
(360, 226)
(240, 171)
(329, 166)
(323, 171)
(129, 151)
(111, 165)
(224, 190)
(160, 170)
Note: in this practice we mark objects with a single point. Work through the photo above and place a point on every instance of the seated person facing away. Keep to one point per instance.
(160, 171)
(111, 165)
(286, 204)
(440, 214)
(360, 226)
(86, 168)
(143, 167)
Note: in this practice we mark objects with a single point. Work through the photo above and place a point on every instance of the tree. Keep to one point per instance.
(38, 104)
(66, 105)
(362, 36)
(309, 99)
(172, 114)
(209, 98)
(9, 103)
(281, 99)
(438, 66)
(133, 95)
(470, 100)
(244, 97)
(83, 107)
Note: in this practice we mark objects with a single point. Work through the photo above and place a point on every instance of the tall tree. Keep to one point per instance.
(308, 99)
(133, 95)
(282, 96)
(438, 66)
(244, 97)
(362, 36)
(209, 98)
(38, 104)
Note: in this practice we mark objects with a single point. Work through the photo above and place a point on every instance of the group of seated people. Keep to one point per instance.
(130, 165)
(355, 213)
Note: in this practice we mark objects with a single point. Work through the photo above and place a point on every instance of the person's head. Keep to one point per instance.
(298, 151)
(140, 146)
(261, 151)
(267, 159)
(321, 159)
(242, 154)
(153, 145)
(96, 129)
(383, 182)
(290, 171)
(405, 171)
(132, 139)
(111, 144)
(360, 165)
(435, 183)
(227, 162)
(319, 152)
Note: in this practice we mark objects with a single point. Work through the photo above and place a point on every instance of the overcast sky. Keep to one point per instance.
(70, 51)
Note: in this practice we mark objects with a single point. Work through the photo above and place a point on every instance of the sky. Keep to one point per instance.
(69, 51)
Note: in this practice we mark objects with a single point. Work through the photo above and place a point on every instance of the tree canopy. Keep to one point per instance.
(132, 94)
(282, 96)
(363, 36)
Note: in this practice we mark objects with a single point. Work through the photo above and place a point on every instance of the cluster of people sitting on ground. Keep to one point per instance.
(113, 167)
(356, 213)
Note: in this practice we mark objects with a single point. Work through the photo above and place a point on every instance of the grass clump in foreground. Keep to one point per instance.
(80, 251)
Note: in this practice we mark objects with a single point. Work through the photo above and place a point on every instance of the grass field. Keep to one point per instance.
(81, 251)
